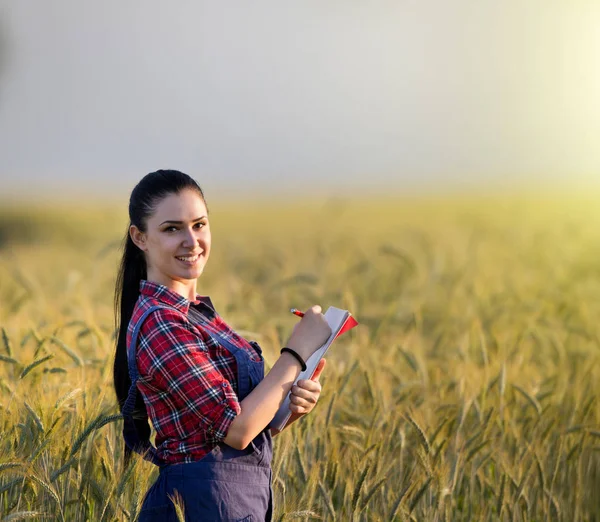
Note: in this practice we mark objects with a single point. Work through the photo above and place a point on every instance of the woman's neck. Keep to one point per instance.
(185, 287)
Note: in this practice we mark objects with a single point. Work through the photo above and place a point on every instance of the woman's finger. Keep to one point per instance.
(311, 386)
(294, 408)
(306, 392)
(301, 403)
(305, 396)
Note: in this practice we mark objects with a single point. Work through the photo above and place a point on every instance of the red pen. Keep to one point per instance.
(297, 312)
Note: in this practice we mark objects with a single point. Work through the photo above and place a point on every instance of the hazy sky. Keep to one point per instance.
(279, 95)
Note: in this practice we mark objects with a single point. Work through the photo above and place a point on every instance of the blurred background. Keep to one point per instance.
(430, 165)
(301, 99)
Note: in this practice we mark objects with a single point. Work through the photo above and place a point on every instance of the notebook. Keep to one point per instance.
(340, 321)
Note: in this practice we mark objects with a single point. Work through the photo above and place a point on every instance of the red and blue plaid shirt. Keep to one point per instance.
(187, 380)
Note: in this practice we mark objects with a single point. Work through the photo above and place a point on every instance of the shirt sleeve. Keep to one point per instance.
(176, 360)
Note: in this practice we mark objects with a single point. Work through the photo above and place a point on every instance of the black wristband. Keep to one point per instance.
(296, 355)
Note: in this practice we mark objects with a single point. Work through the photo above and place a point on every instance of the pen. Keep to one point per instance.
(297, 312)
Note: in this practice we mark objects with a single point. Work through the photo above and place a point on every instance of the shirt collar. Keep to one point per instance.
(165, 295)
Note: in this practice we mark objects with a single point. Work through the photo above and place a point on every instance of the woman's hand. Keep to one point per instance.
(306, 393)
(309, 333)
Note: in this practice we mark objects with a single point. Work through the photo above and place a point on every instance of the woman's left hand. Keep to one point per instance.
(305, 393)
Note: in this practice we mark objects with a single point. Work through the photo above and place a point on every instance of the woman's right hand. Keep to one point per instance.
(310, 333)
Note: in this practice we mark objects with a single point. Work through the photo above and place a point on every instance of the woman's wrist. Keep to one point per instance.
(287, 356)
(299, 347)
(295, 355)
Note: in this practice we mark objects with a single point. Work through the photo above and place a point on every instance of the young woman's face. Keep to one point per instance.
(177, 239)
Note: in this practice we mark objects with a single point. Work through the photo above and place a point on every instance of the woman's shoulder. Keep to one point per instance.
(156, 314)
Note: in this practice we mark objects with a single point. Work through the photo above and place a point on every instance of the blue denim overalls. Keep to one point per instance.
(226, 484)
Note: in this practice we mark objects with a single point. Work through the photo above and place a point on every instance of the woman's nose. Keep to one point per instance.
(190, 238)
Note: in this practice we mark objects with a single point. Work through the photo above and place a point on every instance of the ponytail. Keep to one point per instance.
(131, 273)
(133, 269)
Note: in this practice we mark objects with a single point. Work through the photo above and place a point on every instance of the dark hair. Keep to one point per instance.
(143, 201)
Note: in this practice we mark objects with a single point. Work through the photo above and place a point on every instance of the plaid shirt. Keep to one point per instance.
(188, 382)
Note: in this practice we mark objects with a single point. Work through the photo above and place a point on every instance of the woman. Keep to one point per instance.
(178, 362)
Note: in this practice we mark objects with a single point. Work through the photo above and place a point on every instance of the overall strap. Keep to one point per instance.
(130, 433)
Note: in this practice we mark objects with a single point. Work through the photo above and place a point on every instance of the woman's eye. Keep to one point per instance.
(173, 228)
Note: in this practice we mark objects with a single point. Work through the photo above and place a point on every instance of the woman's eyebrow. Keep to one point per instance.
(172, 222)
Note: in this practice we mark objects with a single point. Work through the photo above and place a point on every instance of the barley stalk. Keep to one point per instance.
(358, 488)
(96, 424)
(34, 364)
(6, 341)
(24, 515)
(69, 351)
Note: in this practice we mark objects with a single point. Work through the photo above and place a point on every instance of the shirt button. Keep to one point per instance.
(224, 385)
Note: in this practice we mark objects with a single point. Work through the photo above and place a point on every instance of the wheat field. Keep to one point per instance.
(469, 392)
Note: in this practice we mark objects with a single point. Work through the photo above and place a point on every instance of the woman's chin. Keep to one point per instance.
(187, 272)
(194, 272)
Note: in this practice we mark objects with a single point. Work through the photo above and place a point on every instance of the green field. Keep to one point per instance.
(469, 392)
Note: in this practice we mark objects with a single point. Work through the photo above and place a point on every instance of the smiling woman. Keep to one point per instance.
(179, 363)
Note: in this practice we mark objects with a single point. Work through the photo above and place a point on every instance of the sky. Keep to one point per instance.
(298, 97)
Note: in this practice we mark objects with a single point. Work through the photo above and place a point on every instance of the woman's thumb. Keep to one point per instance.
(318, 370)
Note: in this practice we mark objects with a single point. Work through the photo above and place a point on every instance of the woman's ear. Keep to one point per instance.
(138, 238)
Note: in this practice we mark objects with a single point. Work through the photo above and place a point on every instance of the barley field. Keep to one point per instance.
(469, 392)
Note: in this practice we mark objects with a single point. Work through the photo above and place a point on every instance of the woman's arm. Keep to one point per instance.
(262, 403)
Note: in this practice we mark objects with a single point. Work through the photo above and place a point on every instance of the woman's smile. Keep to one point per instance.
(189, 260)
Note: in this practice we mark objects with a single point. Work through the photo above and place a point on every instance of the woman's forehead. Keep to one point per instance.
(186, 205)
